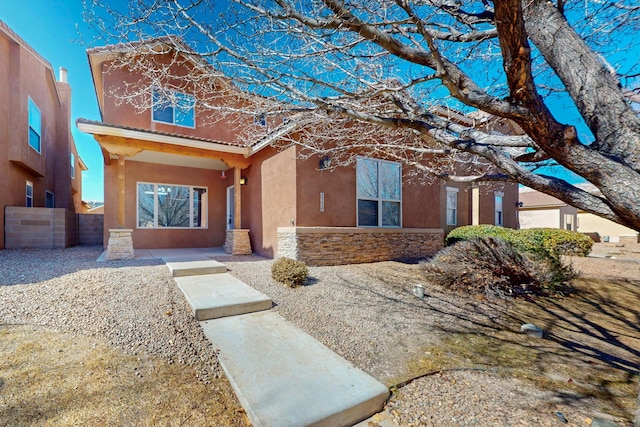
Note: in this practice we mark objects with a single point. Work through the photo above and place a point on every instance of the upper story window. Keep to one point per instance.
(35, 126)
(498, 207)
(452, 206)
(29, 190)
(171, 206)
(260, 119)
(174, 108)
(379, 193)
(73, 166)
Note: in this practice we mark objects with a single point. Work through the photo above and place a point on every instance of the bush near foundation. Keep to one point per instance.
(546, 242)
(289, 271)
(489, 266)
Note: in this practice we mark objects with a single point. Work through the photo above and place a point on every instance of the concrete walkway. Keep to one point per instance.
(282, 376)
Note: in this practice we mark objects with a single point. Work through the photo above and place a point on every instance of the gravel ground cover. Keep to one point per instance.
(131, 305)
(366, 313)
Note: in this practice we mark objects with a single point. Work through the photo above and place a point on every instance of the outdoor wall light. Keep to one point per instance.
(243, 181)
(519, 204)
(223, 175)
(325, 162)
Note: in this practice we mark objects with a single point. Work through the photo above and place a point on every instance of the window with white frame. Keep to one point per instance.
(379, 193)
(452, 206)
(174, 108)
(73, 165)
(498, 195)
(171, 206)
(35, 126)
(49, 200)
(29, 191)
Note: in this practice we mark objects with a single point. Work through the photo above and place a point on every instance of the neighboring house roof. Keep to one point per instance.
(535, 199)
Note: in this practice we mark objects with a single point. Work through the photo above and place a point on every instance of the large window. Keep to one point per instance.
(171, 206)
(35, 126)
(452, 206)
(174, 107)
(379, 184)
(29, 190)
(498, 204)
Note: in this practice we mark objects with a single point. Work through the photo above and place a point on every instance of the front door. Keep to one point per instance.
(230, 207)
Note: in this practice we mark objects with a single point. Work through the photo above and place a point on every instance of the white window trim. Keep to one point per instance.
(174, 109)
(497, 194)
(450, 190)
(155, 207)
(380, 200)
(40, 132)
(28, 197)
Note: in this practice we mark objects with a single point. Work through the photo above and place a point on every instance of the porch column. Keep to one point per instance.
(121, 191)
(120, 244)
(237, 240)
(237, 199)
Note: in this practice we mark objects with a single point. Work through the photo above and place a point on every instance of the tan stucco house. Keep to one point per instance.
(541, 210)
(175, 180)
(39, 163)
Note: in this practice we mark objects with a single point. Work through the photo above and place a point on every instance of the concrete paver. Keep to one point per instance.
(284, 377)
(218, 295)
(183, 267)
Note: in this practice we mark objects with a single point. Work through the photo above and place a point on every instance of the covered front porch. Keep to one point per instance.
(167, 191)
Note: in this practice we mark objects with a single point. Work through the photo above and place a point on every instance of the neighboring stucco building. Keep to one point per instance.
(39, 163)
(541, 210)
(174, 180)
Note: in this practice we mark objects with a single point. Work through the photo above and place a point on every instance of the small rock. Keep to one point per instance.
(532, 330)
(562, 418)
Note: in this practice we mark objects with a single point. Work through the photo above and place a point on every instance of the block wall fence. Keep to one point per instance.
(50, 228)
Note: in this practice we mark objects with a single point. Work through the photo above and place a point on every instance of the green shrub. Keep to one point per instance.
(553, 242)
(544, 246)
(487, 265)
(546, 242)
(472, 231)
(289, 271)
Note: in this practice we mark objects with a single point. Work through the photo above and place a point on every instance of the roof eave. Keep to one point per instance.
(96, 129)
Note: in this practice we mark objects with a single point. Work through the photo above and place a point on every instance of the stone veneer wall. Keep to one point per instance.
(318, 246)
(44, 228)
(237, 242)
(120, 245)
(91, 229)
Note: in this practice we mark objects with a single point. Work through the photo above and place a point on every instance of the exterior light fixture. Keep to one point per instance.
(223, 175)
(243, 181)
(325, 162)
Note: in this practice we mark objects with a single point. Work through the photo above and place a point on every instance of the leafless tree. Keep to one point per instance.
(435, 83)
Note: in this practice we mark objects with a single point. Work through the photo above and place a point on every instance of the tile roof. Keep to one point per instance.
(536, 199)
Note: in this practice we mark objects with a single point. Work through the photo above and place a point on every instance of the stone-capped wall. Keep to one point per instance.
(349, 245)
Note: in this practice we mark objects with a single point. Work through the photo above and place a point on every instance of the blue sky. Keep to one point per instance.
(57, 31)
(53, 29)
